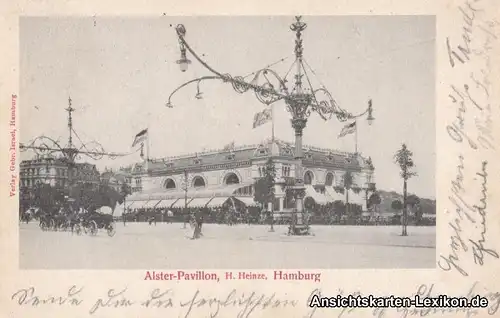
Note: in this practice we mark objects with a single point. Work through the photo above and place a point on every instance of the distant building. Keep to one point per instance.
(208, 179)
(56, 172)
(85, 173)
(131, 175)
(116, 178)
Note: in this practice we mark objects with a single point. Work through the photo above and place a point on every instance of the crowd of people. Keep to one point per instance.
(222, 215)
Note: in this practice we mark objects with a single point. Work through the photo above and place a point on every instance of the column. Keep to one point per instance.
(299, 124)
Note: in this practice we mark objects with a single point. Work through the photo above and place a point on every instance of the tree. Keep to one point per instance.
(339, 208)
(264, 188)
(47, 197)
(413, 202)
(397, 205)
(348, 183)
(94, 196)
(404, 159)
(108, 196)
(374, 202)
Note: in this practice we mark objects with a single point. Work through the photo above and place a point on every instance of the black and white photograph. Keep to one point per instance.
(227, 142)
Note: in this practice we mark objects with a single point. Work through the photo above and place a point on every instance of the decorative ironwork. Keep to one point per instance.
(269, 88)
(44, 146)
(298, 125)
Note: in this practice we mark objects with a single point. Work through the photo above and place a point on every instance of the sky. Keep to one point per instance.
(120, 72)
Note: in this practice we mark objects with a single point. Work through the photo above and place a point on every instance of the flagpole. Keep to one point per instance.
(272, 122)
(147, 146)
(356, 137)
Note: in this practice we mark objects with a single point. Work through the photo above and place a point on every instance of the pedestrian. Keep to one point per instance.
(170, 215)
(198, 216)
(201, 219)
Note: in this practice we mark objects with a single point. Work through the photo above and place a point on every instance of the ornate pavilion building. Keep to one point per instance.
(209, 179)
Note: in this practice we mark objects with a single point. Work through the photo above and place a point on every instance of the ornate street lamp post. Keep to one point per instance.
(269, 88)
(44, 146)
(187, 180)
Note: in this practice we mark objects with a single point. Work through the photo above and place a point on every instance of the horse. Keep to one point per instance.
(27, 215)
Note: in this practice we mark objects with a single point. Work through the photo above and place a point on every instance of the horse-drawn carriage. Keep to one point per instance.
(86, 222)
(92, 222)
(56, 222)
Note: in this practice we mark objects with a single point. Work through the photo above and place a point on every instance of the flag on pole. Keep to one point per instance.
(262, 117)
(140, 137)
(348, 129)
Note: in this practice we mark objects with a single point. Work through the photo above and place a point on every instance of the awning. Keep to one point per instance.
(198, 202)
(138, 204)
(139, 196)
(318, 197)
(217, 201)
(202, 192)
(151, 204)
(180, 203)
(217, 191)
(333, 195)
(357, 198)
(165, 203)
(248, 201)
(130, 204)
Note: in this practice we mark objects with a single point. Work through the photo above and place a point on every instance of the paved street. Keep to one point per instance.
(165, 246)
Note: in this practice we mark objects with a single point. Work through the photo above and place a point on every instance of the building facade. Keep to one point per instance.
(116, 179)
(212, 177)
(56, 172)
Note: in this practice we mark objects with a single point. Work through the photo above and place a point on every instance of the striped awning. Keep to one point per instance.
(130, 204)
(166, 203)
(198, 202)
(180, 203)
(151, 204)
(138, 204)
(357, 198)
(217, 201)
(318, 197)
(333, 195)
(248, 201)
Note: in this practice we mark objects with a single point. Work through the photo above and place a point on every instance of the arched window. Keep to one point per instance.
(232, 178)
(329, 179)
(198, 182)
(308, 177)
(170, 184)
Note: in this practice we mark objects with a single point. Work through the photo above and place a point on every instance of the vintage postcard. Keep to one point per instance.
(213, 160)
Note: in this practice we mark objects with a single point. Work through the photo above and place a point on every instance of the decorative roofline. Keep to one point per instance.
(265, 142)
